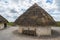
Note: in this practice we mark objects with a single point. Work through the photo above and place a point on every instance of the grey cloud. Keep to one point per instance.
(55, 13)
(1, 11)
(15, 1)
(49, 1)
(4, 1)
(15, 17)
(58, 8)
(13, 11)
(58, 4)
(23, 9)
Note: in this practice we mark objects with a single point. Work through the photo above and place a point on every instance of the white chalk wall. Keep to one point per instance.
(20, 30)
(39, 30)
(43, 31)
(1, 26)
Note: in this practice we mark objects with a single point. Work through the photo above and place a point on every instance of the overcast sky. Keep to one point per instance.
(12, 9)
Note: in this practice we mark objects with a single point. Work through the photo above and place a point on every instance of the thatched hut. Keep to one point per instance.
(3, 22)
(35, 19)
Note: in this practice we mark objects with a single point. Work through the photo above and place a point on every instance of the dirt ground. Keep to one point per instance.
(12, 34)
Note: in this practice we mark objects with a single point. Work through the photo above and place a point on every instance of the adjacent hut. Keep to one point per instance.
(35, 20)
(3, 22)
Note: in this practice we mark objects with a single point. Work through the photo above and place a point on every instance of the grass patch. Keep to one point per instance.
(58, 23)
(11, 23)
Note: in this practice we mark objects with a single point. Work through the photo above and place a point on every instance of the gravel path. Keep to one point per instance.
(10, 34)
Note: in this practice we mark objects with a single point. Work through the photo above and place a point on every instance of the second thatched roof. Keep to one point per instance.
(3, 20)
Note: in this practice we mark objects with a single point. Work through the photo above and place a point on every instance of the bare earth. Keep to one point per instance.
(12, 34)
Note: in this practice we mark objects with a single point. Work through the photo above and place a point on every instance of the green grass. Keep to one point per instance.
(11, 23)
(58, 23)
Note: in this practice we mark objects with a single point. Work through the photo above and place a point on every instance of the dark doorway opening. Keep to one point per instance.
(5, 25)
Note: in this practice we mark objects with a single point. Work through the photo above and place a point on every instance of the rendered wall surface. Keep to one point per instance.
(39, 30)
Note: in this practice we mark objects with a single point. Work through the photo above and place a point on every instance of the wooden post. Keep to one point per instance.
(28, 28)
(35, 32)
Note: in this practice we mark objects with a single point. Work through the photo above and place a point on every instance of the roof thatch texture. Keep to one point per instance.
(3, 20)
(35, 16)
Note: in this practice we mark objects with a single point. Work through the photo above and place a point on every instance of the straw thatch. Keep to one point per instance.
(35, 16)
(3, 20)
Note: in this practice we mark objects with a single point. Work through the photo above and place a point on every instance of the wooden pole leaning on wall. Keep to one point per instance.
(35, 32)
(28, 28)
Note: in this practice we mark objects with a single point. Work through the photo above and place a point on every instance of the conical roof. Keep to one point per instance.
(35, 16)
(3, 20)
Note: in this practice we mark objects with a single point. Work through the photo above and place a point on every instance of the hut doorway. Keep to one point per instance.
(5, 25)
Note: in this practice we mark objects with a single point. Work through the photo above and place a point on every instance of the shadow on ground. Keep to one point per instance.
(54, 33)
(3, 28)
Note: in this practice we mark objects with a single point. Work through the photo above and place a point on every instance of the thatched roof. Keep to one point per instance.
(3, 20)
(35, 16)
